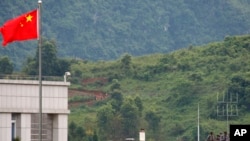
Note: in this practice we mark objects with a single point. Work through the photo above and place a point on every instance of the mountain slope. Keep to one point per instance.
(104, 30)
(173, 84)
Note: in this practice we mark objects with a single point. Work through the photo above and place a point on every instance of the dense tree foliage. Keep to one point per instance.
(118, 125)
(51, 64)
(163, 90)
(119, 118)
(78, 133)
(6, 66)
(240, 87)
(153, 121)
(101, 30)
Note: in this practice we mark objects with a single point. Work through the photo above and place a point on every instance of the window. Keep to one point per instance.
(13, 130)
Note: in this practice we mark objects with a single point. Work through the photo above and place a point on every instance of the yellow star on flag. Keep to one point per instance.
(29, 18)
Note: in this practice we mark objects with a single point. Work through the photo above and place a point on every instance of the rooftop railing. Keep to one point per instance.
(31, 77)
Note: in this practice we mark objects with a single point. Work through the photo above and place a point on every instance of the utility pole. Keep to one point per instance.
(227, 106)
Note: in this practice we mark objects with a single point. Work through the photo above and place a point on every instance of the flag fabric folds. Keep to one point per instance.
(23, 27)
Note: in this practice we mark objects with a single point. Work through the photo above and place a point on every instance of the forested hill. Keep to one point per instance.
(169, 86)
(103, 30)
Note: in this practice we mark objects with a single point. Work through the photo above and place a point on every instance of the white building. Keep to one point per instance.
(19, 110)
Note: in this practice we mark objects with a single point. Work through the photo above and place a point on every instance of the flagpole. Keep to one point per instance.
(40, 68)
(198, 126)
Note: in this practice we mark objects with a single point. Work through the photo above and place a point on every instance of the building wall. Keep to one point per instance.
(60, 128)
(23, 96)
(23, 126)
(19, 102)
(5, 126)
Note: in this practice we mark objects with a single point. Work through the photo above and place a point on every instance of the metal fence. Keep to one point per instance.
(31, 77)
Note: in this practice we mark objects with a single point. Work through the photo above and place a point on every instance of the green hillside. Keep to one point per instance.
(104, 30)
(170, 87)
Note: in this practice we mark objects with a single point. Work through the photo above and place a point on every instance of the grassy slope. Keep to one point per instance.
(178, 82)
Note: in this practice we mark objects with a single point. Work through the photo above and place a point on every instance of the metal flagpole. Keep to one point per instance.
(40, 67)
(198, 127)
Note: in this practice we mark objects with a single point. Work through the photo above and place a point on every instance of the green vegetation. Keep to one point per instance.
(52, 65)
(6, 66)
(160, 92)
(157, 92)
(104, 30)
(163, 91)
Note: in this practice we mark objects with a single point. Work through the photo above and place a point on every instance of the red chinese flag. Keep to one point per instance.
(23, 27)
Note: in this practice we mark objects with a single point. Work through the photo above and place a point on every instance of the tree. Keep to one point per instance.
(6, 66)
(95, 137)
(62, 66)
(49, 58)
(130, 118)
(126, 64)
(115, 85)
(72, 127)
(51, 65)
(240, 86)
(139, 104)
(117, 100)
(116, 95)
(105, 118)
(153, 120)
(76, 133)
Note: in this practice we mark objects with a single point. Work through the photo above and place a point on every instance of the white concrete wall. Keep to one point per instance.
(25, 127)
(5, 127)
(60, 128)
(23, 96)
